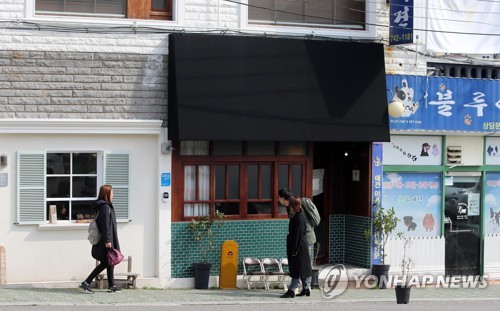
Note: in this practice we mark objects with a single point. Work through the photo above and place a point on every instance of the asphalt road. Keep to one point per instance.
(285, 306)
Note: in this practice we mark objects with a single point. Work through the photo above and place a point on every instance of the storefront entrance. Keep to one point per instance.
(462, 223)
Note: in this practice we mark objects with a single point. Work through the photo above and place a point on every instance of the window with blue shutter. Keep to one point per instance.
(117, 174)
(69, 181)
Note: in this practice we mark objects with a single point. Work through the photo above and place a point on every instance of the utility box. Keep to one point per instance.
(228, 265)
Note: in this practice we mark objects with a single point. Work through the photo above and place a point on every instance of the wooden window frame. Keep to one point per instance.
(135, 9)
(179, 162)
(142, 9)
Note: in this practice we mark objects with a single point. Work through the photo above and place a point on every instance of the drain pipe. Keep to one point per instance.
(3, 277)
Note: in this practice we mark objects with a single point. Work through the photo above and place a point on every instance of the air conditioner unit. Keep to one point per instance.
(454, 155)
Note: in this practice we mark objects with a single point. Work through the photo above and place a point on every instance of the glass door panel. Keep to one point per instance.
(462, 224)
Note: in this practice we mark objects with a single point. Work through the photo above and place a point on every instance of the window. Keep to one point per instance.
(346, 14)
(69, 181)
(240, 179)
(136, 9)
(462, 70)
(71, 185)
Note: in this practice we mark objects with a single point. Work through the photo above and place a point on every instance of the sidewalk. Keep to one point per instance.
(172, 297)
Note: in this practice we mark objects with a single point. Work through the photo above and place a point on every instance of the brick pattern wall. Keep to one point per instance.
(347, 241)
(62, 85)
(255, 238)
(337, 239)
(358, 252)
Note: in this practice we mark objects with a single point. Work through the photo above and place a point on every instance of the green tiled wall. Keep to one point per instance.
(337, 240)
(349, 230)
(358, 252)
(267, 238)
(255, 238)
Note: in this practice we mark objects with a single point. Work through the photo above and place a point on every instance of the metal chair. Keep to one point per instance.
(252, 268)
(285, 269)
(272, 267)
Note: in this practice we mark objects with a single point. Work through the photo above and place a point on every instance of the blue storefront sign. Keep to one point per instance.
(377, 171)
(401, 22)
(445, 104)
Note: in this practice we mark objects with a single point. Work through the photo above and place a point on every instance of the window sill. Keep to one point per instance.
(67, 226)
(63, 226)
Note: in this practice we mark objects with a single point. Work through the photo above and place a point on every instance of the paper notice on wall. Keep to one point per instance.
(317, 183)
(474, 203)
(53, 214)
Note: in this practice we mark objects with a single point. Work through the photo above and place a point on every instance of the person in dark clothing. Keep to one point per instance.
(297, 251)
(284, 195)
(106, 221)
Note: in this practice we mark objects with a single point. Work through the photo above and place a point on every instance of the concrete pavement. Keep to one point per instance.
(74, 296)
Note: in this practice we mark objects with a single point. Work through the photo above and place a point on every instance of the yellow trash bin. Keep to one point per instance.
(228, 265)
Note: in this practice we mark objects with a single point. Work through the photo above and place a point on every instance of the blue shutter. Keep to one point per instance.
(31, 187)
(117, 174)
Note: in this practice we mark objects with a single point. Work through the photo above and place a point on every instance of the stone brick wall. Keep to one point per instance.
(70, 85)
(12, 8)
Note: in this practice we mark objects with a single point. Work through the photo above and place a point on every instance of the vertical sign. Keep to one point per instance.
(401, 22)
(377, 171)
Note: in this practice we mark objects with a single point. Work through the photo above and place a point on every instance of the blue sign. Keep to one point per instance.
(165, 179)
(377, 170)
(416, 198)
(401, 22)
(445, 104)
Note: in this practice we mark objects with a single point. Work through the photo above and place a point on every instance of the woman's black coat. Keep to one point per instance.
(297, 249)
(106, 221)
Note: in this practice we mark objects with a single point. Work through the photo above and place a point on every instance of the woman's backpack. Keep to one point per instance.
(94, 233)
(312, 213)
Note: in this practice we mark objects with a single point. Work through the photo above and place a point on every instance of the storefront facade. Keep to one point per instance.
(441, 171)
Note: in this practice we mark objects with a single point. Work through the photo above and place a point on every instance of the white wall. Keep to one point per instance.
(36, 255)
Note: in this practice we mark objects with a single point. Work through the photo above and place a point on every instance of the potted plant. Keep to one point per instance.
(204, 230)
(403, 290)
(384, 222)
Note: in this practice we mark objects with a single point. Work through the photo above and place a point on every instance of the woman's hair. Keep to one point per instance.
(105, 193)
(295, 204)
(285, 193)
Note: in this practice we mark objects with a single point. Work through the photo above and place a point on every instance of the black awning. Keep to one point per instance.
(274, 89)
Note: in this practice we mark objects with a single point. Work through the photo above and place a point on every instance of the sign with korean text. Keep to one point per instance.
(377, 171)
(165, 179)
(416, 198)
(445, 104)
(401, 22)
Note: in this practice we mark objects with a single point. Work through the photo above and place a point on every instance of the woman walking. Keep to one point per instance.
(297, 251)
(106, 221)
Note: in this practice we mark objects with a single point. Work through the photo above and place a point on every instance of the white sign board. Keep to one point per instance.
(413, 150)
(492, 148)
